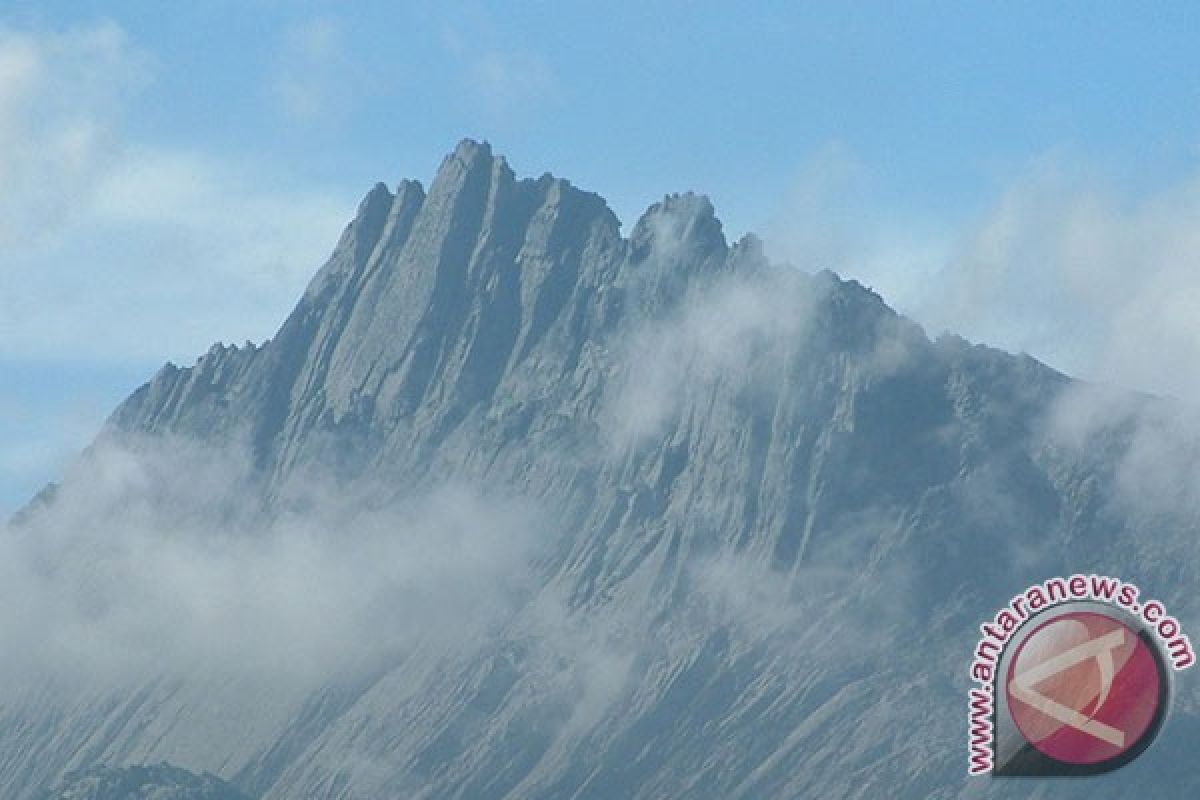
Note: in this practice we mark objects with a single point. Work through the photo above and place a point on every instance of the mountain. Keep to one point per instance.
(519, 506)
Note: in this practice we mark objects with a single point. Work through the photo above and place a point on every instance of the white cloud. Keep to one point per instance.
(152, 560)
(105, 240)
(821, 224)
(1153, 444)
(1064, 265)
(61, 98)
(832, 218)
(1097, 283)
(116, 252)
(314, 79)
(733, 326)
(511, 83)
(505, 83)
(40, 436)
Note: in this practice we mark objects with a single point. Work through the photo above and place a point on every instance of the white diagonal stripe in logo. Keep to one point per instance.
(1100, 649)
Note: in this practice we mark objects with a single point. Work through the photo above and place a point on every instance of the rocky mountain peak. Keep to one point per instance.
(686, 217)
(759, 502)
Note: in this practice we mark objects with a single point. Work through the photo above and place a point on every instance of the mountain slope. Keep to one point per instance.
(160, 782)
(759, 516)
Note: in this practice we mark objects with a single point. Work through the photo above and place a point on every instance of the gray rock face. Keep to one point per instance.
(161, 782)
(774, 513)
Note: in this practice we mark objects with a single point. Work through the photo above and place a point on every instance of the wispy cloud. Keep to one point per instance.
(61, 100)
(1065, 264)
(733, 331)
(153, 561)
(505, 82)
(1097, 281)
(102, 232)
(105, 239)
(314, 77)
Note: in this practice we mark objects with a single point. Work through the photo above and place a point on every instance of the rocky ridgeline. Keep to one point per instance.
(769, 515)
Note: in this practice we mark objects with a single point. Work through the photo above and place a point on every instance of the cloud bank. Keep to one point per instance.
(1092, 277)
(153, 560)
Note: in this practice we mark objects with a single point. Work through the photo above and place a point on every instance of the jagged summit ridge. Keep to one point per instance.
(443, 293)
(765, 513)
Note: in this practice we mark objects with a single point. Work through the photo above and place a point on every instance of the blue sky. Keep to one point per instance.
(173, 174)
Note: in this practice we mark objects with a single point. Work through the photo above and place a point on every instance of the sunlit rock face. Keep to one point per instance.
(515, 505)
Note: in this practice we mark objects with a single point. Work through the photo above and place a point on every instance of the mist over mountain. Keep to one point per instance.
(516, 506)
(160, 782)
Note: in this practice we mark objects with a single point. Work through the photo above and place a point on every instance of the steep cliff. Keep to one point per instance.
(766, 515)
